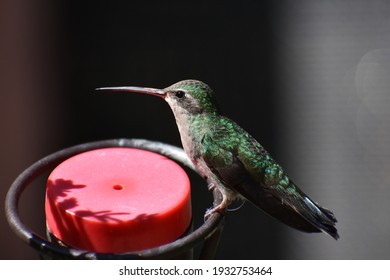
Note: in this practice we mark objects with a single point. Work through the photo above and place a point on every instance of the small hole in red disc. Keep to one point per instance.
(118, 187)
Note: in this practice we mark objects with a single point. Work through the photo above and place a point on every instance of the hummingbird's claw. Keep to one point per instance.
(209, 213)
(220, 209)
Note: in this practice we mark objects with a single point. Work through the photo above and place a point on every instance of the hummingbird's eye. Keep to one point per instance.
(180, 93)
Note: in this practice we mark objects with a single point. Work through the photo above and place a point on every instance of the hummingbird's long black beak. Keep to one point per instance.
(150, 91)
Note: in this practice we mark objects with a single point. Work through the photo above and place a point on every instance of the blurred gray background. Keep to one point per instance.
(309, 79)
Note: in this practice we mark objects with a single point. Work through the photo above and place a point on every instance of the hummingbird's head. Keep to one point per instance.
(185, 97)
(191, 96)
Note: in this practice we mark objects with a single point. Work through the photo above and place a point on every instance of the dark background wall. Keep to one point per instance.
(308, 80)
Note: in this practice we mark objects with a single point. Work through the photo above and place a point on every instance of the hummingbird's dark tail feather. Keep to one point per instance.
(320, 217)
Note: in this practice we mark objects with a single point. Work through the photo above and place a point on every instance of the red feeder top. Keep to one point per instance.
(117, 200)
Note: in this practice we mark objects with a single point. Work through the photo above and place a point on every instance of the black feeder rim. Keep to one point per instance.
(208, 232)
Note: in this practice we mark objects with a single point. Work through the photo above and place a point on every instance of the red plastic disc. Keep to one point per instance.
(117, 200)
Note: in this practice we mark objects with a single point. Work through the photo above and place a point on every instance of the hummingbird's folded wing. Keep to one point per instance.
(236, 171)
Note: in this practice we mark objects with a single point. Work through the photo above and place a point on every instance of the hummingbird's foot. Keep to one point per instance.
(211, 186)
(211, 211)
(220, 208)
(228, 196)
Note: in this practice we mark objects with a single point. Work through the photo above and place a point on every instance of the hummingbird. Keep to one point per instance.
(233, 161)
